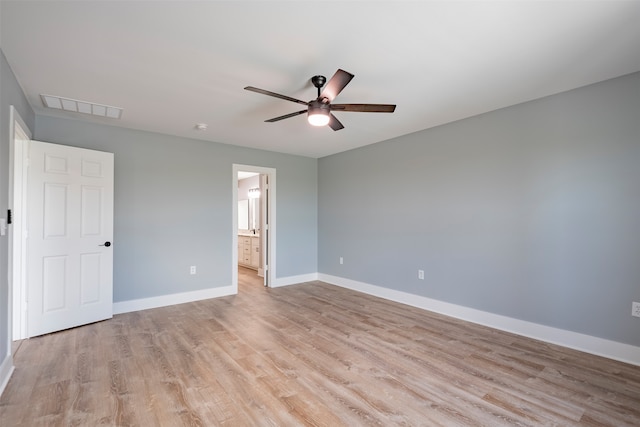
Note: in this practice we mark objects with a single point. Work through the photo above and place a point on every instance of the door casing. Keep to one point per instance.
(20, 135)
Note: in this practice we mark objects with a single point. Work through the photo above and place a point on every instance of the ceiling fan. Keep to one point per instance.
(319, 110)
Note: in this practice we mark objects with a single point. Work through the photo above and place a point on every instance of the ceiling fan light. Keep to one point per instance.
(318, 114)
(318, 119)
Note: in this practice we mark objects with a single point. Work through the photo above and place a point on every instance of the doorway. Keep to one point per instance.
(260, 225)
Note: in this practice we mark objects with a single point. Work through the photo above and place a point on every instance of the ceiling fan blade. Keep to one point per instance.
(286, 116)
(365, 108)
(277, 95)
(335, 85)
(334, 123)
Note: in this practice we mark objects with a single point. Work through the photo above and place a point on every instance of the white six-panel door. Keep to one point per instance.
(70, 231)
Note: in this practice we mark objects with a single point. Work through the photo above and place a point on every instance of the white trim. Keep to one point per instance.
(587, 343)
(17, 324)
(6, 370)
(172, 299)
(14, 116)
(294, 280)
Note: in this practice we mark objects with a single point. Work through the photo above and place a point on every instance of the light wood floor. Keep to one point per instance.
(310, 354)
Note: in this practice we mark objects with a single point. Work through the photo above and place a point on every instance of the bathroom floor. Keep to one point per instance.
(248, 280)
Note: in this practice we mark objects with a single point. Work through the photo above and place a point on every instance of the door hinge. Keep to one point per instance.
(9, 216)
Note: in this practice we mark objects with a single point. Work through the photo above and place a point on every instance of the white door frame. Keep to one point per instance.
(19, 137)
(270, 274)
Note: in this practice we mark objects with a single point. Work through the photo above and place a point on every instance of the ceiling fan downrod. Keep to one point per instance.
(318, 82)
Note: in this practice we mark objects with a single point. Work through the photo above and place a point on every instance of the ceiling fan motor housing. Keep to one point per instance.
(317, 106)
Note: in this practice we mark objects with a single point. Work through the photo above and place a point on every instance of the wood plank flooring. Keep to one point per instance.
(309, 354)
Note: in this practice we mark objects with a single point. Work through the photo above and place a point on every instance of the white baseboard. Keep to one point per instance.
(165, 300)
(6, 369)
(294, 280)
(587, 343)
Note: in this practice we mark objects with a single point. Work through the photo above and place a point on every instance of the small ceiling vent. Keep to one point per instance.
(76, 106)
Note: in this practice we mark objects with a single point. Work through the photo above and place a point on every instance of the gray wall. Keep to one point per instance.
(10, 94)
(531, 212)
(173, 207)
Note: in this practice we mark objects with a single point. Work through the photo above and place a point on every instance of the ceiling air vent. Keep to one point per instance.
(76, 106)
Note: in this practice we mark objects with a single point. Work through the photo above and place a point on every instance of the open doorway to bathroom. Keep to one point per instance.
(254, 225)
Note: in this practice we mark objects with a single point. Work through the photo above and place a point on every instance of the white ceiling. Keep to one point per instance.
(173, 64)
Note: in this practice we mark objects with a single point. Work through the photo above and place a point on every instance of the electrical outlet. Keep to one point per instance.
(635, 309)
(192, 269)
(341, 260)
(421, 274)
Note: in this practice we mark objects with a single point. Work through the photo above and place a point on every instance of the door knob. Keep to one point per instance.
(107, 244)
